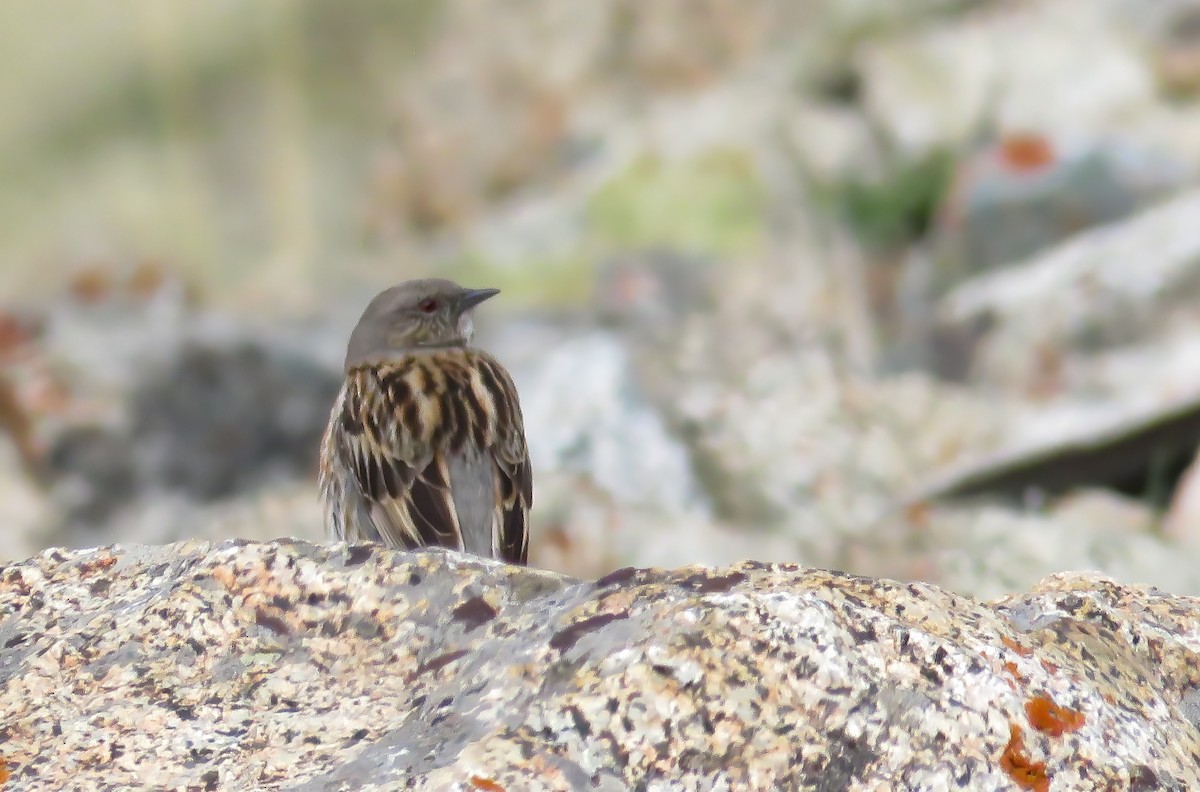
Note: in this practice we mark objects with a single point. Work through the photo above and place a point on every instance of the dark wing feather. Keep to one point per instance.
(403, 482)
(399, 422)
(430, 507)
(516, 496)
(512, 471)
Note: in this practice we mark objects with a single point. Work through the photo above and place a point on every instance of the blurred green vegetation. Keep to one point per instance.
(893, 209)
(712, 203)
(270, 151)
(556, 281)
(230, 140)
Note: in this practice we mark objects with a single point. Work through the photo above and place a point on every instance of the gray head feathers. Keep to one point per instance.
(416, 314)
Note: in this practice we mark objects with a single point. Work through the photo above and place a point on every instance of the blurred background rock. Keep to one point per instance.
(903, 289)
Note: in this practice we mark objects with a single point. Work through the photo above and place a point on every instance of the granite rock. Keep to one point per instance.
(1104, 289)
(1018, 195)
(585, 416)
(1079, 70)
(301, 667)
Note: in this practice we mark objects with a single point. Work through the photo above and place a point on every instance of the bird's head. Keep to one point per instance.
(416, 314)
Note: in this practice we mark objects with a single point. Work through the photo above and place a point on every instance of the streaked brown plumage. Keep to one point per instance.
(425, 443)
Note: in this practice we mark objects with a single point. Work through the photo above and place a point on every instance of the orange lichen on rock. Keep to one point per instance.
(486, 784)
(225, 577)
(1049, 718)
(919, 513)
(147, 279)
(91, 284)
(1026, 152)
(1016, 647)
(96, 565)
(1026, 773)
(16, 333)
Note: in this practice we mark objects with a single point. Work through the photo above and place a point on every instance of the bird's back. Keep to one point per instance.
(429, 449)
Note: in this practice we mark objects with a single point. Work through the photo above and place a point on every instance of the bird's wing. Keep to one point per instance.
(405, 484)
(512, 473)
(421, 515)
(397, 427)
(514, 496)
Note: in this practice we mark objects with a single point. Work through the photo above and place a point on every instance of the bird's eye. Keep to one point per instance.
(428, 305)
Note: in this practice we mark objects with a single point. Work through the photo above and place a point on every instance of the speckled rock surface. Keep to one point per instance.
(300, 667)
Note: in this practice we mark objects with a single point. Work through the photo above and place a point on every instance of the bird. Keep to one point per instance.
(425, 445)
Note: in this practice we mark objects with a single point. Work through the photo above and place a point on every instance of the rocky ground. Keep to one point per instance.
(776, 280)
(292, 666)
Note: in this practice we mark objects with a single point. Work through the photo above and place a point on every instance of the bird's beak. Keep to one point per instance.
(472, 297)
